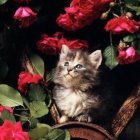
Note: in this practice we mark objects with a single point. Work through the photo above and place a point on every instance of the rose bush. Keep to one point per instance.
(25, 16)
(26, 78)
(53, 45)
(119, 25)
(9, 131)
(81, 13)
(2, 108)
(127, 56)
(118, 36)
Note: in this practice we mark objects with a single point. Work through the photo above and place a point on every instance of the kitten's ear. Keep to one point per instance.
(64, 51)
(96, 58)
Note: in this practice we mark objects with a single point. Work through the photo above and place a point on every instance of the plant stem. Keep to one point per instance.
(23, 109)
(121, 7)
(111, 40)
(20, 116)
(115, 15)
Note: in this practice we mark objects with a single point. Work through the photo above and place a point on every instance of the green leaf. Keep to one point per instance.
(6, 115)
(132, 1)
(129, 38)
(39, 132)
(48, 98)
(133, 6)
(137, 46)
(38, 64)
(26, 102)
(24, 117)
(58, 134)
(9, 96)
(136, 43)
(49, 76)
(33, 122)
(37, 93)
(2, 2)
(38, 109)
(3, 70)
(110, 57)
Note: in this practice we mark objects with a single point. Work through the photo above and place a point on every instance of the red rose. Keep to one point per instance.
(120, 25)
(127, 56)
(21, 1)
(9, 131)
(25, 16)
(2, 108)
(48, 44)
(77, 44)
(82, 13)
(52, 45)
(36, 79)
(26, 78)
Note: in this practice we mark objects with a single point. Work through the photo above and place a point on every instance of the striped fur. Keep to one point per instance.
(76, 78)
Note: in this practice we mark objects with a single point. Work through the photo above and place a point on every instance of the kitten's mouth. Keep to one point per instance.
(68, 75)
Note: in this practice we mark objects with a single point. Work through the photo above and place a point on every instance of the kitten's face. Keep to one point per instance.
(72, 65)
(75, 66)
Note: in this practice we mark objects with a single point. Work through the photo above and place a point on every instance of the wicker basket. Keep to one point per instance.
(85, 131)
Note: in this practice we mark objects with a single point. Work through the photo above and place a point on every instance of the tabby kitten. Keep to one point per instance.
(77, 92)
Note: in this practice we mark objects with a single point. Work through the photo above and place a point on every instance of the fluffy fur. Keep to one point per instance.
(78, 93)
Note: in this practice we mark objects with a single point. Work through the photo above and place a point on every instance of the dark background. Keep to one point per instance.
(13, 42)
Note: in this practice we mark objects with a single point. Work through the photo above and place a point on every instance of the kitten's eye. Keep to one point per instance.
(78, 66)
(66, 64)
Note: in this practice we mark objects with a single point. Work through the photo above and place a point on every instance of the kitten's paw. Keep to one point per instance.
(63, 119)
(84, 118)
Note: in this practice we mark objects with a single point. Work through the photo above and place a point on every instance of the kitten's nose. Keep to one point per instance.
(69, 69)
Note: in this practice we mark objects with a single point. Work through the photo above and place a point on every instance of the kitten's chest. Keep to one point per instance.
(73, 103)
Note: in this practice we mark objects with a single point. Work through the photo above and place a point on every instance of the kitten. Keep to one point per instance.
(78, 93)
